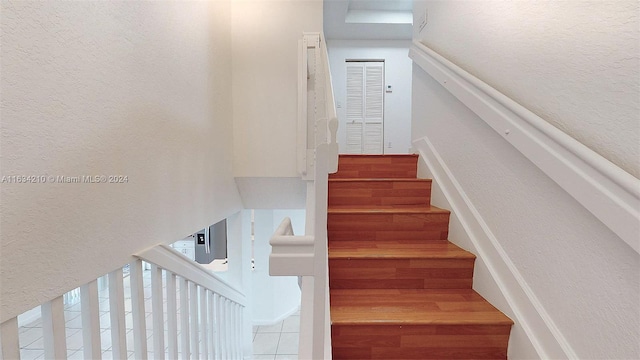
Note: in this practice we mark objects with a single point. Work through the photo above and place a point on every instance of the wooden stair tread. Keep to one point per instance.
(413, 307)
(386, 209)
(400, 249)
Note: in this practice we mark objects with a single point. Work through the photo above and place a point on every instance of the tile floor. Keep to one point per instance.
(278, 341)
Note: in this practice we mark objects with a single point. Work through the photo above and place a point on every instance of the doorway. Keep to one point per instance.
(365, 107)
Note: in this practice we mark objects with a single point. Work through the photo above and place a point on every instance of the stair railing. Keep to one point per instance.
(203, 314)
(317, 119)
(306, 255)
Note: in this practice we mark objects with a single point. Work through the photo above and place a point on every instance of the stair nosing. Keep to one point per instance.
(378, 155)
(379, 179)
(462, 256)
(504, 322)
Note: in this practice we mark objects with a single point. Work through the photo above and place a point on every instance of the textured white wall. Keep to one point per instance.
(265, 83)
(547, 56)
(575, 64)
(397, 112)
(140, 89)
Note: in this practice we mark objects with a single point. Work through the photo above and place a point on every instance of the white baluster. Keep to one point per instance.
(232, 331)
(116, 313)
(212, 321)
(137, 302)
(172, 316)
(238, 328)
(229, 327)
(239, 336)
(193, 312)
(241, 330)
(10, 339)
(158, 312)
(53, 329)
(184, 319)
(204, 323)
(90, 321)
(221, 327)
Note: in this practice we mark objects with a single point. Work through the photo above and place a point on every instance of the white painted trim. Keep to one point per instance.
(544, 335)
(169, 259)
(607, 191)
(290, 255)
(302, 107)
(277, 320)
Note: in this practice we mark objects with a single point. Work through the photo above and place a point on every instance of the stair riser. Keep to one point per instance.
(381, 227)
(372, 193)
(419, 342)
(373, 166)
(346, 235)
(374, 172)
(401, 273)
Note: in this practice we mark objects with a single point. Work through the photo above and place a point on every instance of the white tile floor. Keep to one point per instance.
(278, 341)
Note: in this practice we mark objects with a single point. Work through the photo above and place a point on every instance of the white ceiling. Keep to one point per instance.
(368, 19)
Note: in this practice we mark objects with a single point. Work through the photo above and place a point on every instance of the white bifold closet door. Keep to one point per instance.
(365, 107)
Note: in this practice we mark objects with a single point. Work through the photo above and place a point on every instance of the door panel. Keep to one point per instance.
(354, 138)
(372, 136)
(365, 107)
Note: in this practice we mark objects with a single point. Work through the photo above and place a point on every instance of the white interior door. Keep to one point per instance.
(365, 107)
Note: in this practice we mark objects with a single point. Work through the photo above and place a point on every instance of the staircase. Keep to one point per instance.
(398, 288)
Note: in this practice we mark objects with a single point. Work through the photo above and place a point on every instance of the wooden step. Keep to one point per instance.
(376, 166)
(416, 324)
(398, 288)
(403, 264)
(384, 223)
(375, 192)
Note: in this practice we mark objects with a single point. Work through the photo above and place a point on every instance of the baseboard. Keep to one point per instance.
(533, 324)
(262, 322)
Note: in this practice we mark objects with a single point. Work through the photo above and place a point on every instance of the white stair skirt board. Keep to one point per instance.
(525, 309)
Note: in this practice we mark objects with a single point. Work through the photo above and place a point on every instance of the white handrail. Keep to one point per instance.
(331, 111)
(606, 167)
(317, 120)
(607, 191)
(169, 259)
(290, 255)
